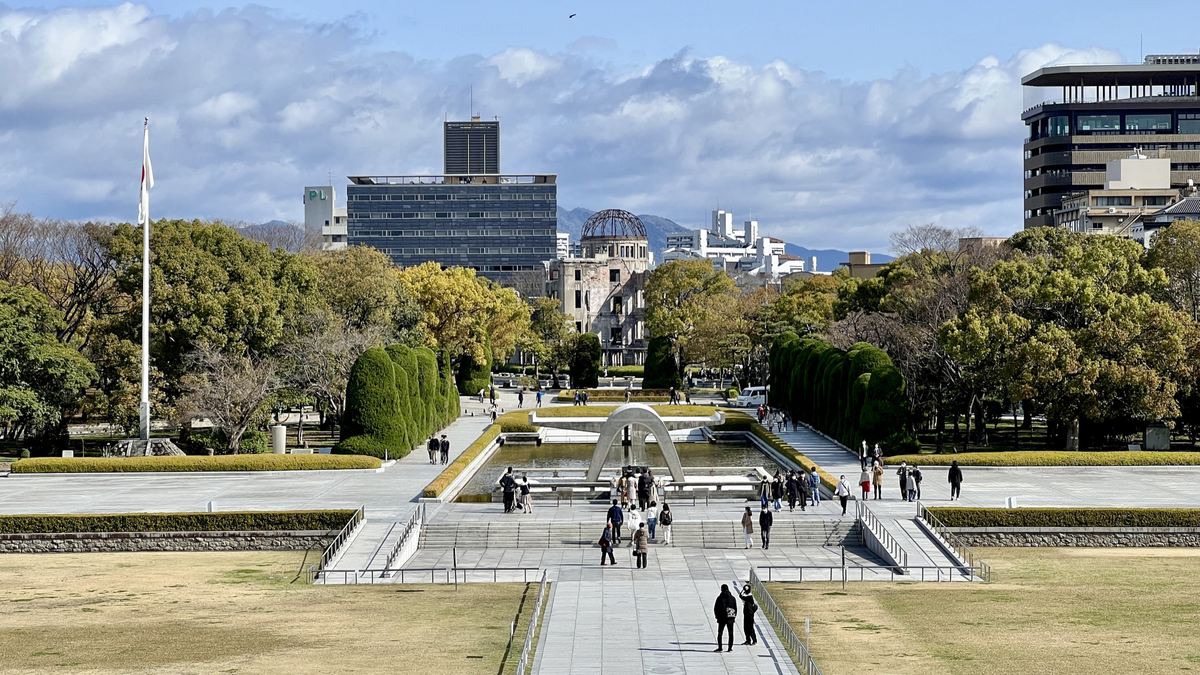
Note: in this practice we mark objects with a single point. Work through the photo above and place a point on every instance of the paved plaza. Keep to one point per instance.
(603, 619)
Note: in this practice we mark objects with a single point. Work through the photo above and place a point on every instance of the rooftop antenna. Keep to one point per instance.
(472, 100)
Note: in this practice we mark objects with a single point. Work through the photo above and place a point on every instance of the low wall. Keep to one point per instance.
(1088, 537)
(124, 542)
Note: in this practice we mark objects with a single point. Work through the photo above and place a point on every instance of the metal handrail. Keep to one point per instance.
(963, 551)
(435, 575)
(876, 527)
(842, 572)
(533, 624)
(343, 536)
(414, 524)
(791, 641)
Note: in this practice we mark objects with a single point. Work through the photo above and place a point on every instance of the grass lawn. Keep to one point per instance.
(241, 612)
(1050, 611)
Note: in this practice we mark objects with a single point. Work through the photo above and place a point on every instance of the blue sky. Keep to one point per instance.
(837, 123)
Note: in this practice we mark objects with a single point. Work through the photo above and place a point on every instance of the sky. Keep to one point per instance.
(834, 124)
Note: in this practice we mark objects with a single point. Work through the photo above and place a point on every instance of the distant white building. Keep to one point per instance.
(735, 251)
(562, 249)
(320, 211)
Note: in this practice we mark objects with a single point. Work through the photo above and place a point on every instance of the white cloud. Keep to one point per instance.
(247, 106)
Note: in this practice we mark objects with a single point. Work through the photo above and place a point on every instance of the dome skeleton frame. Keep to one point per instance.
(613, 223)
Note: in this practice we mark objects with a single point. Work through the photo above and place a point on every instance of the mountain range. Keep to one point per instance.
(657, 228)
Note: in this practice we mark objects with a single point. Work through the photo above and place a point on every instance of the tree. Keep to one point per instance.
(585, 365)
(1071, 321)
(679, 296)
(231, 390)
(373, 424)
(320, 365)
(1176, 250)
(357, 283)
(548, 330)
(451, 303)
(40, 377)
(661, 371)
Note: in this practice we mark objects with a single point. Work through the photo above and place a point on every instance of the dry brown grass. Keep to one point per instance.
(239, 613)
(1051, 611)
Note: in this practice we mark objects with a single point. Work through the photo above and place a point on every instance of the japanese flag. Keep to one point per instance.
(147, 179)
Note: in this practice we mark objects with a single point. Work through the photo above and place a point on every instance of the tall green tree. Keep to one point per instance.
(679, 297)
(1176, 250)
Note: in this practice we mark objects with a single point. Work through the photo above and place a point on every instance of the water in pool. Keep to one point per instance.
(579, 455)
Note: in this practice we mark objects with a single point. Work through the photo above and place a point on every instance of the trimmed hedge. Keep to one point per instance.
(953, 516)
(661, 369)
(626, 371)
(474, 376)
(852, 396)
(456, 467)
(585, 362)
(618, 395)
(193, 463)
(1054, 458)
(230, 521)
(395, 399)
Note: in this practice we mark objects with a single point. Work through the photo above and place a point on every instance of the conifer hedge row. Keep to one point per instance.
(852, 396)
(395, 398)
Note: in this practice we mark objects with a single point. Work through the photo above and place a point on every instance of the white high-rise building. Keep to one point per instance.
(321, 211)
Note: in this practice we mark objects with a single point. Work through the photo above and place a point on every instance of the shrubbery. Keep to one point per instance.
(474, 376)
(395, 399)
(1055, 458)
(585, 362)
(231, 521)
(264, 462)
(853, 396)
(661, 370)
(952, 516)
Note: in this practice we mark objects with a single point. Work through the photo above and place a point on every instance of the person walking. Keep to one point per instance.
(616, 517)
(877, 479)
(749, 607)
(864, 482)
(956, 479)
(748, 526)
(777, 491)
(804, 487)
(584, 395)
(434, 447)
(902, 472)
(526, 498)
(764, 492)
(635, 521)
(492, 395)
(664, 521)
(508, 484)
(725, 610)
(652, 517)
(916, 472)
(862, 457)
(539, 398)
(606, 546)
(627, 393)
(814, 481)
(843, 492)
(765, 520)
(521, 398)
(912, 485)
(793, 490)
(641, 545)
(645, 485)
(444, 447)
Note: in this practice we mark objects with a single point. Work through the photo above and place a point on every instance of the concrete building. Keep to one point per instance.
(321, 212)
(471, 147)
(602, 289)
(860, 265)
(1187, 208)
(562, 249)
(1135, 187)
(1080, 118)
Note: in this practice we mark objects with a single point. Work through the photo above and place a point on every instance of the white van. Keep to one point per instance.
(751, 397)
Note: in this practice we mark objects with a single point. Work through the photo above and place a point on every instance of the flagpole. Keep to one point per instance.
(144, 406)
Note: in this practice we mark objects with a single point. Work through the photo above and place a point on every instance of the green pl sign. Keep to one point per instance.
(316, 194)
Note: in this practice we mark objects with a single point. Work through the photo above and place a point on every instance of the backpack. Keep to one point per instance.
(665, 518)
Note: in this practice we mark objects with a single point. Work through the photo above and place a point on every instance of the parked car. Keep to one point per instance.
(564, 381)
(751, 397)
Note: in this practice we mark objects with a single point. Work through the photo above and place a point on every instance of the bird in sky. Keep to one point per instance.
(571, 17)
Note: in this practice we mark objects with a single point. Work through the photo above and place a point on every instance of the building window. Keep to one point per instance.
(616, 304)
(1154, 201)
(578, 327)
(614, 276)
(1148, 123)
(1189, 123)
(1114, 201)
(614, 337)
(578, 275)
(1094, 123)
(578, 299)
(1059, 126)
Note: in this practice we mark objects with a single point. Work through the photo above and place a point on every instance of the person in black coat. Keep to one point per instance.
(509, 485)
(749, 607)
(793, 490)
(765, 520)
(616, 516)
(955, 477)
(725, 611)
(444, 446)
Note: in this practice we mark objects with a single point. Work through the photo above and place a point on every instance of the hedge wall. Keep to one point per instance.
(395, 399)
(1055, 458)
(439, 484)
(852, 396)
(585, 362)
(661, 371)
(474, 376)
(192, 463)
(231, 521)
(952, 516)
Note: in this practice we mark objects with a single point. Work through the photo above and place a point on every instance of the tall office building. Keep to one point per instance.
(472, 147)
(1088, 116)
(321, 213)
(496, 224)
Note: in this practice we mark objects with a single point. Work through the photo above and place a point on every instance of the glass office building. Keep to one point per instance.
(495, 224)
(471, 147)
(1087, 116)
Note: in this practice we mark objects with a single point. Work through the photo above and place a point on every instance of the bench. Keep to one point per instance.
(566, 492)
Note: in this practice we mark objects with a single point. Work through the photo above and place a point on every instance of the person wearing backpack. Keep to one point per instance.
(725, 610)
(664, 521)
(749, 607)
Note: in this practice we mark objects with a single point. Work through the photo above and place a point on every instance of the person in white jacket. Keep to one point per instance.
(843, 492)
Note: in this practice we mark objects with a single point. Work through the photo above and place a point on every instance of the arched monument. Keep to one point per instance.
(638, 418)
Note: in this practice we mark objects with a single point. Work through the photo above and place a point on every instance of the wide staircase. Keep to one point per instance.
(687, 534)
